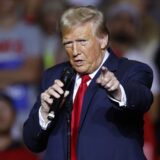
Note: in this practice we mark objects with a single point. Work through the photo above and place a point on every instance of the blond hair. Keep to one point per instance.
(77, 16)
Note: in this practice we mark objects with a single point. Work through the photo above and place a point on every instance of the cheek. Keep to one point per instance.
(93, 53)
(69, 53)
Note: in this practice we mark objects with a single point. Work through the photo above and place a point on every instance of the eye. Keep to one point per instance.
(83, 42)
(67, 44)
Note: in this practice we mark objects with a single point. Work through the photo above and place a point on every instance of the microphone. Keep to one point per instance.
(66, 78)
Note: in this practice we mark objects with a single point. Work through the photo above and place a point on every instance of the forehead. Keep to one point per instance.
(80, 31)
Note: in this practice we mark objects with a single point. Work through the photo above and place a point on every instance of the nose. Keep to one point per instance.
(75, 51)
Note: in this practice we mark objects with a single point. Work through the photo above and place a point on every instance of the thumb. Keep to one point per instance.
(66, 93)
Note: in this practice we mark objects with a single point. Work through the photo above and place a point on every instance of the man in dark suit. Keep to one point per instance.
(109, 123)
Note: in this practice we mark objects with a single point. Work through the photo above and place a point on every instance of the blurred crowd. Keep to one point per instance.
(30, 42)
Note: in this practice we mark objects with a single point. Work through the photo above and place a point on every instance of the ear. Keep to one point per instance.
(103, 41)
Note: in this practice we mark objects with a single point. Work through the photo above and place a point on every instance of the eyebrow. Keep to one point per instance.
(81, 39)
(77, 40)
(67, 42)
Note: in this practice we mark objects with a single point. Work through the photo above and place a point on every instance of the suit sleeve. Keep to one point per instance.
(137, 84)
(35, 138)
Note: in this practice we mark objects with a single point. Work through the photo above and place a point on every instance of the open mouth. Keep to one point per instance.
(78, 62)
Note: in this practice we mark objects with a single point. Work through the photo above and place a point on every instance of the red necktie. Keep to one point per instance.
(76, 113)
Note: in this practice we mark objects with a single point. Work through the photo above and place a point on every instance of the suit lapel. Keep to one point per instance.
(111, 63)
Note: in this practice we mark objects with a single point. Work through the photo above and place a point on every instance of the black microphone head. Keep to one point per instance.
(67, 75)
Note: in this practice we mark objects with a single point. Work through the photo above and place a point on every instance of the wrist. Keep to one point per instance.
(44, 115)
(117, 94)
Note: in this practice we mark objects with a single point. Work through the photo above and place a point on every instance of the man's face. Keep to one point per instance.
(7, 117)
(84, 49)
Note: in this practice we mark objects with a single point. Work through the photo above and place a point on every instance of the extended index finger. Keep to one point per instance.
(104, 70)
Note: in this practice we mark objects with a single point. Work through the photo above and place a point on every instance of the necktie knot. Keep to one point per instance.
(85, 78)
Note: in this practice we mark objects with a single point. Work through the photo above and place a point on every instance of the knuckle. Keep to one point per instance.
(42, 95)
(112, 75)
(106, 79)
(50, 90)
(113, 88)
(107, 86)
(53, 88)
(114, 78)
(117, 83)
(56, 81)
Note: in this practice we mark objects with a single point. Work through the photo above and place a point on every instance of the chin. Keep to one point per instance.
(80, 71)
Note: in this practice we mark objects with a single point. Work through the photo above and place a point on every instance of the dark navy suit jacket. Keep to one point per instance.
(107, 131)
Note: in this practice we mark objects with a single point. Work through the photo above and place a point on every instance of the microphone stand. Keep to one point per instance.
(68, 117)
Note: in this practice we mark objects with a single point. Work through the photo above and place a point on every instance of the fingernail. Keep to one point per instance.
(103, 68)
(98, 81)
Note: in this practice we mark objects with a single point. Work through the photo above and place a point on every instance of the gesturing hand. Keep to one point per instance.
(108, 80)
